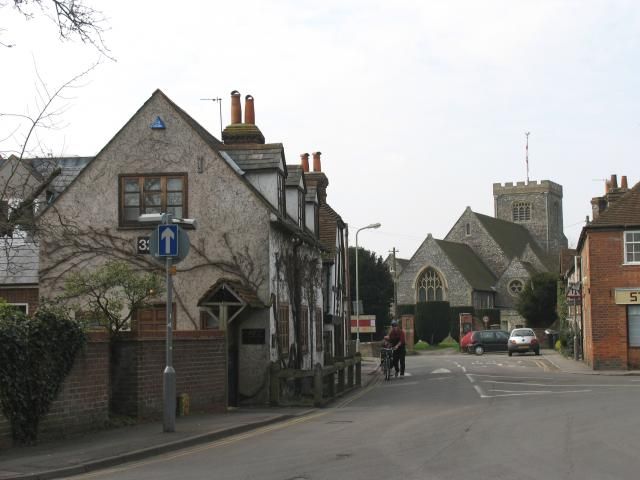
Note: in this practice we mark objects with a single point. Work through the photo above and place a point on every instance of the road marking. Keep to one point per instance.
(441, 370)
(470, 377)
(480, 392)
(590, 385)
(535, 393)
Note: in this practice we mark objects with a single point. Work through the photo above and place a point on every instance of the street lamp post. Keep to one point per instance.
(373, 225)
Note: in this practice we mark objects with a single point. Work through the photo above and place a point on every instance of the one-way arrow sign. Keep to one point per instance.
(167, 240)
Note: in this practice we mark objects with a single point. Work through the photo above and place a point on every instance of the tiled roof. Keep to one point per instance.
(468, 264)
(329, 221)
(70, 166)
(247, 294)
(18, 262)
(624, 213)
(257, 157)
(511, 237)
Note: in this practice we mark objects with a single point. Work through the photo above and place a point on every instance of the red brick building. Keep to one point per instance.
(609, 248)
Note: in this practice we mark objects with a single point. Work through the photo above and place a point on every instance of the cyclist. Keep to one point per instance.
(398, 343)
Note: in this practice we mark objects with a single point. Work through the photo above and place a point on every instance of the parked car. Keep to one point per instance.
(488, 341)
(523, 340)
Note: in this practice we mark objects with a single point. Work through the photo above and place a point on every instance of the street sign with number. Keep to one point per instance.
(156, 243)
(143, 245)
(167, 240)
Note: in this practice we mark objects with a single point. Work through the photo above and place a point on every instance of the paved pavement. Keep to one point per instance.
(102, 449)
(96, 450)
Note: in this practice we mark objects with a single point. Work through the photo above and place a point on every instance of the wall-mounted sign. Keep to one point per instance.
(253, 336)
(142, 245)
(158, 124)
(627, 296)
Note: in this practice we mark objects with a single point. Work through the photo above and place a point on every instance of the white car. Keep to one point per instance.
(523, 340)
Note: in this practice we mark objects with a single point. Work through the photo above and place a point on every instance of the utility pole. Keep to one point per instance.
(395, 284)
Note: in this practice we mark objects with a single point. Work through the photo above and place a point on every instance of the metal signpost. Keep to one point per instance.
(169, 244)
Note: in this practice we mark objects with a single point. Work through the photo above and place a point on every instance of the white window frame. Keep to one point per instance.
(25, 305)
(624, 240)
(633, 325)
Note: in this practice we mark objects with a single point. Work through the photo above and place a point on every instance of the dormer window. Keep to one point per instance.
(301, 209)
(521, 211)
(282, 201)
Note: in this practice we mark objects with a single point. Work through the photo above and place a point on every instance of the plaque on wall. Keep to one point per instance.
(253, 336)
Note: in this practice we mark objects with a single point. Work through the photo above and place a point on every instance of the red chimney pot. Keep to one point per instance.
(249, 111)
(236, 108)
(304, 162)
(317, 166)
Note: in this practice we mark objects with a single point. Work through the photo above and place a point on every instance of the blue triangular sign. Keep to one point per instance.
(158, 124)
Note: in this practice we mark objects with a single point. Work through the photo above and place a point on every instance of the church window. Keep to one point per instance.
(516, 287)
(468, 229)
(430, 286)
(521, 211)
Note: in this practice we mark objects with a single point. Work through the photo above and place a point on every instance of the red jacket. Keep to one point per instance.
(396, 337)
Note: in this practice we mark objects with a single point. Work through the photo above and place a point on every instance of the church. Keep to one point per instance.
(484, 262)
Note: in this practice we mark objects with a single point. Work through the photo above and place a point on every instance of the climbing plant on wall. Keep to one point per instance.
(36, 354)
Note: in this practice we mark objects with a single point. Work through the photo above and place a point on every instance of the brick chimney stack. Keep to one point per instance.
(249, 111)
(317, 166)
(611, 195)
(304, 162)
(236, 108)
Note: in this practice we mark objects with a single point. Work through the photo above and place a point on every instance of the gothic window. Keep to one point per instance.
(521, 211)
(430, 286)
(468, 229)
(515, 287)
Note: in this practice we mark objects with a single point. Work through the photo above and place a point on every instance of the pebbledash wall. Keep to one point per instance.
(200, 362)
(83, 401)
(606, 344)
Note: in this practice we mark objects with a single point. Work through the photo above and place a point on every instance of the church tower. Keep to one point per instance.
(537, 206)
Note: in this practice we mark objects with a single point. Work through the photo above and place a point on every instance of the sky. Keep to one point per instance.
(418, 107)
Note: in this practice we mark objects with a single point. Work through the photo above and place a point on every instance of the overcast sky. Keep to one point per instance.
(418, 107)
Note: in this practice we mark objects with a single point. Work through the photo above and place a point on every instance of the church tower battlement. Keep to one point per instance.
(537, 206)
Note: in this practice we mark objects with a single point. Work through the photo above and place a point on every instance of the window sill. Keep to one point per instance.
(151, 226)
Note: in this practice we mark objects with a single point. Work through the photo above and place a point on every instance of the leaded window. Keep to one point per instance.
(632, 247)
(152, 194)
(521, 211)
(430, 286)
(516, 287)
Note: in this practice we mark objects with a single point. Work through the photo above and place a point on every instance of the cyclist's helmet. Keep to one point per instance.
(394, 323)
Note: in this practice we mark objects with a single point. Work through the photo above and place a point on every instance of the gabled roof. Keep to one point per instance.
(511, 237)
(245, 293)
(257, 157)
(70, 168)
(623, 214)
(468, 264)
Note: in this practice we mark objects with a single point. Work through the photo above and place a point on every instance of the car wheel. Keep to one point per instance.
(479, 349)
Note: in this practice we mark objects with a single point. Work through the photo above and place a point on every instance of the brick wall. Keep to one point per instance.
(83, 400)
(606, 343)
(200, 362)
(28, 295)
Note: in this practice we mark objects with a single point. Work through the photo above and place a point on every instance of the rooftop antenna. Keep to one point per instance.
(527, 154)
(219, 101)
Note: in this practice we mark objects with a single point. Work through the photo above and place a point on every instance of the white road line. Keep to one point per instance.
(470, 377)
(535, 393)
(562, 385)
(464, 370)
(480, 392)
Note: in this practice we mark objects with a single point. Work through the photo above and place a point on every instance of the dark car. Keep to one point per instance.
(488, 341)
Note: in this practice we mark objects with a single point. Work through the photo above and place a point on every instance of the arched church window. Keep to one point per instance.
(516, 287)
(430, 286)
(521, 211)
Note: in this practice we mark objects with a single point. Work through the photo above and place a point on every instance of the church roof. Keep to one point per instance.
(469, 265)
(511, 237)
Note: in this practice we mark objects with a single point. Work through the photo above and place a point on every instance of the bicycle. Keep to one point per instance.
(386, 357)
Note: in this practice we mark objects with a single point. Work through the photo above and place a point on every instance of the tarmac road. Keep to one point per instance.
(452, 417)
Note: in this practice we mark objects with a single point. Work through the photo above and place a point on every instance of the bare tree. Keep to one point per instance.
(73, 18)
